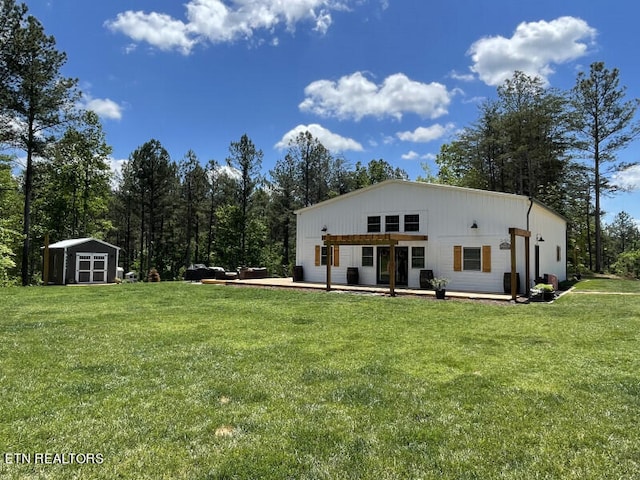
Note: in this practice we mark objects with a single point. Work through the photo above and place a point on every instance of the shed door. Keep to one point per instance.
(91, 267)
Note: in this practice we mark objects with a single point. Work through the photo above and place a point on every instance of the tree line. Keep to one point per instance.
(169, 215)
(557, 147)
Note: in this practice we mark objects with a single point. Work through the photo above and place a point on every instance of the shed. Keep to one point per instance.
(397, 232)
(81, 261)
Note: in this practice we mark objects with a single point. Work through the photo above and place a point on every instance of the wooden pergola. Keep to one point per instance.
(384, 239)
(518, 232)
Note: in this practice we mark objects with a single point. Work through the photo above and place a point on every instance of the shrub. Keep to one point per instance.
(628, 264)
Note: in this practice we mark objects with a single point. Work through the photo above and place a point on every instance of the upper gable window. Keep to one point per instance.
(412, 223)
(373, 224)
(392, 223)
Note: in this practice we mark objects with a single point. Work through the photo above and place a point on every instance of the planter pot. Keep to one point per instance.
(440, 294)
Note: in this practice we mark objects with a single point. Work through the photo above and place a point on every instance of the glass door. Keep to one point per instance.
(383, 265)
(402, 265)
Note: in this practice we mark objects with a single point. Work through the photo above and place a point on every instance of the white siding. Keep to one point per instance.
(446, 215)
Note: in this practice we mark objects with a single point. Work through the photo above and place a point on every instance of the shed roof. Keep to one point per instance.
(79, 241)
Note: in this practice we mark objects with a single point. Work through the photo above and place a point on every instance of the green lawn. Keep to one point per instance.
(609, 285)
(176, 380)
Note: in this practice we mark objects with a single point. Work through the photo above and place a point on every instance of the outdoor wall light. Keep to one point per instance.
(324, 229)
(474, 225)
(539, 238)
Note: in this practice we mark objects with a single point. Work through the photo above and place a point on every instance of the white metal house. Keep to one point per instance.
(471, 237)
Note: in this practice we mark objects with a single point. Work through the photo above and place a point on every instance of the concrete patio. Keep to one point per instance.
(371, 289)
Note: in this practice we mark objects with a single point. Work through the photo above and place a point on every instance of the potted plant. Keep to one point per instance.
(544, 290)
(440, 285)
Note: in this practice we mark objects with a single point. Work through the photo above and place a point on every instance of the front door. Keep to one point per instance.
(402, 265)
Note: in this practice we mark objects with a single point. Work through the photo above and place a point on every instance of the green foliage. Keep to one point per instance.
(73, 185)
(148, 191)
(377, 171)
(247, 159)
(518, 145)
(35, 96)
(439, 283)
(602, 124)
(8, 238)
(628, 264)
(623, 234)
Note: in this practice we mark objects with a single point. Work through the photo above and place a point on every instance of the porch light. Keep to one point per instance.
(539, 238)
(474, 225)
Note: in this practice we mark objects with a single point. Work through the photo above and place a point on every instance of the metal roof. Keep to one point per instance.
(79, 241)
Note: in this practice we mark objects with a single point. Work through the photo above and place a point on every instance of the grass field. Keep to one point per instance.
(182, 381)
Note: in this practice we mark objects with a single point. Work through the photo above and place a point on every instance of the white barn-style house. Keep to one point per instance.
(481, 241)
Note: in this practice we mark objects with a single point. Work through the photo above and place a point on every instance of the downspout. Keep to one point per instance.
(529, 211)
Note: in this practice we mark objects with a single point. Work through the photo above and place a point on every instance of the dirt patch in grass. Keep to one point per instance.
(225, 431)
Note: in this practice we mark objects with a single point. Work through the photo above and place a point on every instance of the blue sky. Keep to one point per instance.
(391, 79)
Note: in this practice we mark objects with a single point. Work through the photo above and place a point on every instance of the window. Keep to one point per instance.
(412, 223)
(417, 257)
(323, 255)
(373, 224)
(367, 256)
(471, 259)
(392, 223)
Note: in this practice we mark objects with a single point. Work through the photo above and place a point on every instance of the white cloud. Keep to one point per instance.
(426, 134)
(533, 49)
(217, 21)
(463, 77)
(116, 170)
(411, 155)
(355, 96)
(628, 179)
(228, 171)
(331, 141)
(103, 107)
(157, 29)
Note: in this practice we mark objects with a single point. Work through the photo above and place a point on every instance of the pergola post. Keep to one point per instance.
(514, 287)
(390, 239)
(392, 269)
(518, 232)
(329, 261)
(527, 267)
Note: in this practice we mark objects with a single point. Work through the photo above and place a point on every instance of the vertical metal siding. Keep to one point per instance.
(446, 215)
